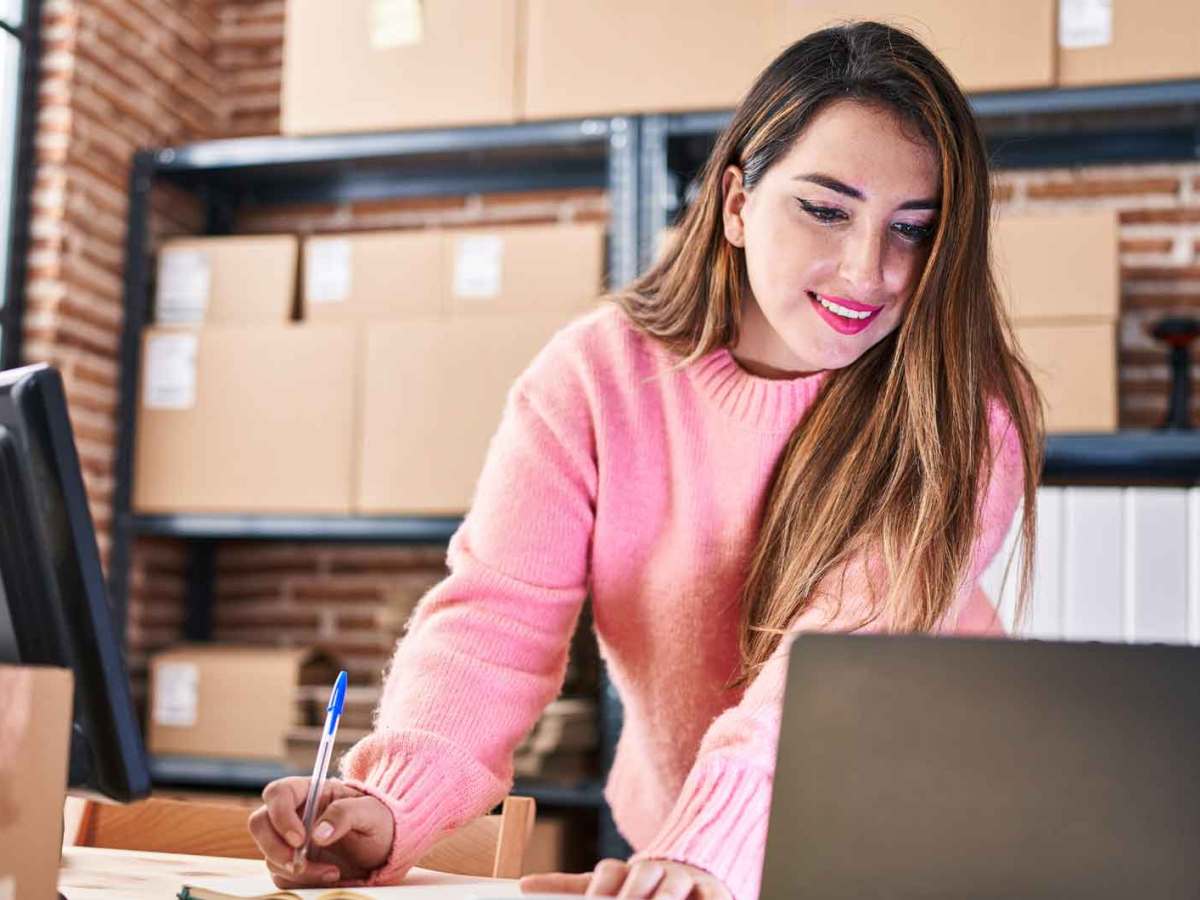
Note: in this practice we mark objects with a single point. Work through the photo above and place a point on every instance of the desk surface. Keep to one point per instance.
(92, 873)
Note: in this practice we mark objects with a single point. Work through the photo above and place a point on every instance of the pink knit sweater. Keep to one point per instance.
(612, 475)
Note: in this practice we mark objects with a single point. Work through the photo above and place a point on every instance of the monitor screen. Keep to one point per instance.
(53, 606)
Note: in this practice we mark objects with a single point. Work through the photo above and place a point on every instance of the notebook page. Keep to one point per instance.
(419, 884)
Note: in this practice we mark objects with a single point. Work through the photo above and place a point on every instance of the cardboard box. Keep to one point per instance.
(1075, 366)
(1059, 266)
(635, 56)
(237, 280)
(374, 276)
(572, 68)
(521, 269)
(1122, 41)
(247, 420)
(35, 729)
(229, 702)
(376, 65)
(986, 46)
(433, 394)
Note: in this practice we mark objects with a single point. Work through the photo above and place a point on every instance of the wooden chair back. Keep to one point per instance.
(490, 846)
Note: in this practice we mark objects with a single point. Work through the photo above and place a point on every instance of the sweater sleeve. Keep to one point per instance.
(486, 648)
(719, 820)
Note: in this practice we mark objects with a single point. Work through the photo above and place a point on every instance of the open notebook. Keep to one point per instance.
(419, 884)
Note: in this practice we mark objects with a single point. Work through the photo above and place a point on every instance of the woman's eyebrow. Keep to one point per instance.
(828, 181)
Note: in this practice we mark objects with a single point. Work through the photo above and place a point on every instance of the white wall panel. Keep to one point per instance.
(1093, 577)
(1156, 564)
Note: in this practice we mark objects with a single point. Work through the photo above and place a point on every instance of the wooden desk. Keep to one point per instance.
(93, 873)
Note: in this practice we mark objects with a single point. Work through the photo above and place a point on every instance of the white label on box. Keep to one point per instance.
(1085, 23)
(184, 277)
(8, 888)
(170, 372)
(176, 694)
(327, 270)
(478, 266)
(396, 23)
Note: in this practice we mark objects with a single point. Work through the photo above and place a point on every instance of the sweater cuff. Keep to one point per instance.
(430, 785)
(719, 824)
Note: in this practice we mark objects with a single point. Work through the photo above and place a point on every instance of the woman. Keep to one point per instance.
(807, 415)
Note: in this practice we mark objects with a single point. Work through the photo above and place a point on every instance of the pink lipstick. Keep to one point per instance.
(842, 324)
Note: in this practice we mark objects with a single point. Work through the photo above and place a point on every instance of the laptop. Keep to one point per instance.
(928, 767)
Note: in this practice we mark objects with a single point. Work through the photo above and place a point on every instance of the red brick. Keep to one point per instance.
(1101, 187)
(389, 559)
(1175, 216)
(335, 591)
(1146, 245)
(243, 615)
(348, 623)
(1160, 273)
(1161, 301)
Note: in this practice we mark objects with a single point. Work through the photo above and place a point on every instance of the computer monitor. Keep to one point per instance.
(53, 608)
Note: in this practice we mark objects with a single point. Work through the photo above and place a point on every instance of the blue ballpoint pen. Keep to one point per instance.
(333, 715)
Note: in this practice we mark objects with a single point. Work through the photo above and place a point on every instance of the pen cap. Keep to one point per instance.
(338, 698)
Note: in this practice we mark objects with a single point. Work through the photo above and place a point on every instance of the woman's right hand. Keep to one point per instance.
(357, 841)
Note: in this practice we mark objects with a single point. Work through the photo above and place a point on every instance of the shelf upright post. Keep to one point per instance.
(656, 200)
(623, 171)
(136, 309)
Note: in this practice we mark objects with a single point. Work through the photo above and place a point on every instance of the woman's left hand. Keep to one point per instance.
(660, 879)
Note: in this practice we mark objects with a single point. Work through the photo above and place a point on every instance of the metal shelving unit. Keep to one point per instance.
(234, 175)
(646, 164)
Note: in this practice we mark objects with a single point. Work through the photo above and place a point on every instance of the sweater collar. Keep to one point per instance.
(766, 404)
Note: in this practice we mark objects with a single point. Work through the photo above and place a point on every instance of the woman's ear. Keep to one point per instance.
(733, 199)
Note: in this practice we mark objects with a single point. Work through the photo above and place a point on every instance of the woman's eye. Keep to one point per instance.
(917, 234)
(914, 234)
(822, 213)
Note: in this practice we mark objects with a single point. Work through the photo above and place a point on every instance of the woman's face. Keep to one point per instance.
(847, 216)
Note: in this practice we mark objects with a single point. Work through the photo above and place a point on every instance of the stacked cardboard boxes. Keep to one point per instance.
(434, 381)
(381, 400)
(367, 65)
(241, 409)
(1059, 275)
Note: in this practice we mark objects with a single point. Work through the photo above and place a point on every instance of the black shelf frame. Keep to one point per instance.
(254, 775)
(232, 175)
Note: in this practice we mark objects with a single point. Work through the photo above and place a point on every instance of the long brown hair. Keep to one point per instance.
(893, 451)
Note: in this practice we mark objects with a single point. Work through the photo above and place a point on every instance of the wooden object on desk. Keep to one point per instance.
(166, 826)
(490, 846)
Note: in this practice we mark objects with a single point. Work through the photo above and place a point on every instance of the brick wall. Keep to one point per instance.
(120, 74)
(249, 49)
(114, 76)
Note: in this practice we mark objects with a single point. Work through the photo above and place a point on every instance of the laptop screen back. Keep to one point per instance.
(917, 766)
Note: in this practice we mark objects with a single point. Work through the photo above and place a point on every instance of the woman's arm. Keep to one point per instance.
(719, 821)
(486, 649)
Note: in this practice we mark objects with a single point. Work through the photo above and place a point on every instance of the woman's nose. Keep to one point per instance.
(862, 263)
